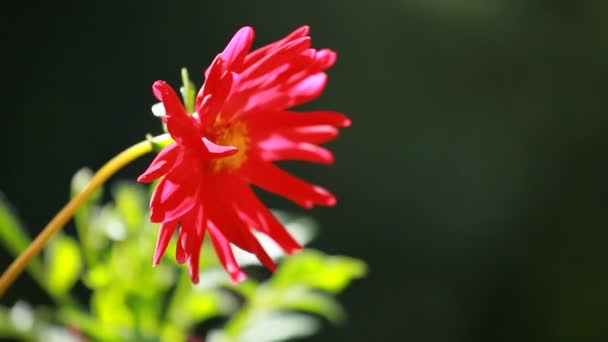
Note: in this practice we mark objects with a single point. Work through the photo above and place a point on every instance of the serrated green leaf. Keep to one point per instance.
(316, 270)
(64, 263)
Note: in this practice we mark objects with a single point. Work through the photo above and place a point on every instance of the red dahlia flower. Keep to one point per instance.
(240, 126)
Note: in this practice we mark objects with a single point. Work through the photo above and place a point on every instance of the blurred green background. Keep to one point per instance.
(473, 180)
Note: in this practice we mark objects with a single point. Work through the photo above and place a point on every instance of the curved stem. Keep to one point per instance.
(66, 213)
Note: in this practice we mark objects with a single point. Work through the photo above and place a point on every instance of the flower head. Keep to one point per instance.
(241, 125)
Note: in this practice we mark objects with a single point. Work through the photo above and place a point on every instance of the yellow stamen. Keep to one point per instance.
(230, 134)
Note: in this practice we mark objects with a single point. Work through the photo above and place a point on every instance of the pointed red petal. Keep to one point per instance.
(182, 127)
(238, 47)
(162, 163)
(192, 239)
(174, 195)
(215, 91)
(258, 216)
(224, 252)
(273, 179)
(213, 75)
(276, 58)
(219, 151)
(180, 252)
(193, 264)
(285, 96)
(270, 122)
(259, 53)
(312, 134)
(308, 89)
(236, 51)
(326, 58)
(237, 231)
(233, 231)
(164, 236)
(277, 147)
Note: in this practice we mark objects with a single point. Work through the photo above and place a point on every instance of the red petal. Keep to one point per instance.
(213, 75)
(308, 89)
(236, 50)
(219, 151)
(233, 228)
(295, 71)
(224, 252)
(258, 216)
(182, 127)
(280, 56)
(162, 163)
(278, 71)
(286, 72)
(312, 134)
(239, 46)
(164, 236)
(268, 75)
(193, 264)
(273, 179)
(259, 53)
(213, 95)
(270, 122)
(192, 240)
(181, 255)
(277, 147)
(174, 195)
(326, 58)
(280, 98)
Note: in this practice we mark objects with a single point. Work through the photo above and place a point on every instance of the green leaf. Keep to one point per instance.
(204, 305)
(80, 180)
(171, 332)
(17, 322)
(110, 307)
(314, 269)
(64, 263)
(109, 223)
(131, 205)
(14, 237)
(278, 326)
(91, 240)
(87, 324)
(188, 91)
(303, 299)
(98, 276)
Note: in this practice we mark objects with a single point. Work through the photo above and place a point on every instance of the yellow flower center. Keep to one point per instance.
(229, 134)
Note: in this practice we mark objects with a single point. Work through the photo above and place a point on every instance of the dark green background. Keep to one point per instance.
(473, 179)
